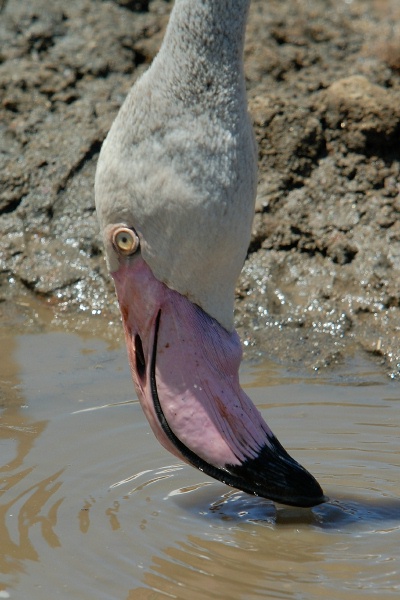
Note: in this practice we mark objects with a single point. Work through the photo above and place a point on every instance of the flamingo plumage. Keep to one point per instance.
(175, 190)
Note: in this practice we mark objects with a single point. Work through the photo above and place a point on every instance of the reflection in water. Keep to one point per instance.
(84, 515)
(26, 509)
(112, 515)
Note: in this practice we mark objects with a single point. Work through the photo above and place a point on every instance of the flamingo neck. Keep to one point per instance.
(203, 44)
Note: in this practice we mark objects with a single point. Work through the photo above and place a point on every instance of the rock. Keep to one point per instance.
(364, 115)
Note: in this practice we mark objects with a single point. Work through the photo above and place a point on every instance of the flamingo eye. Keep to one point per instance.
(125, 241)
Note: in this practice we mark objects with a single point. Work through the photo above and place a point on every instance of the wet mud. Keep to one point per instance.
(322, 277)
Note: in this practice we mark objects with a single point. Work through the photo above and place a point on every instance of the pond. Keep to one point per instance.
(92, 507)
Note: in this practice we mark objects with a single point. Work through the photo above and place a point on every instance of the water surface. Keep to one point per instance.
(92, 507)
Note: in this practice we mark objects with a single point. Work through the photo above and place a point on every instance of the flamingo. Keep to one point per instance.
(175, 189)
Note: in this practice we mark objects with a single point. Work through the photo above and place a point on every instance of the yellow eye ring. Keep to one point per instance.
(125, 241)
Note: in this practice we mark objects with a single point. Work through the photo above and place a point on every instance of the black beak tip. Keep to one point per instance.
(310, 494)
(275, 475)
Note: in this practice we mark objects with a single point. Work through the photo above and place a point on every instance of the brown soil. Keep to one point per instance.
(323, 272)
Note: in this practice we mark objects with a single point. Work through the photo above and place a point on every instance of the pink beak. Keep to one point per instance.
(185, 369)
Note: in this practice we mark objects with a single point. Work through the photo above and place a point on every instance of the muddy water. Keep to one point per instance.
(91, 506)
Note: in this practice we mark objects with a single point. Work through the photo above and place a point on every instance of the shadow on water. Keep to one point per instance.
(335, 514)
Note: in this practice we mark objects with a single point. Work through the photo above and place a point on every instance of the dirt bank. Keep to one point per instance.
(323, 272)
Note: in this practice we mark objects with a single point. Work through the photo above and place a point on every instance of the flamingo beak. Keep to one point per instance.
(185, 369)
